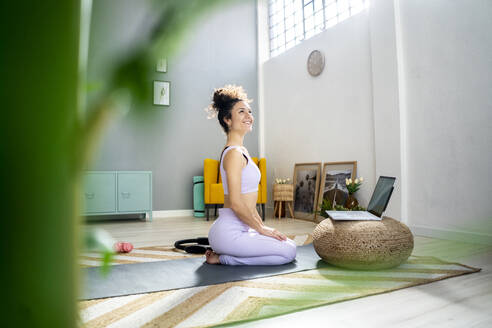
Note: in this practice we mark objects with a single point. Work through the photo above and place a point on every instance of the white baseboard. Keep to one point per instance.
(469, 237)
(178, 213)
(171, 213)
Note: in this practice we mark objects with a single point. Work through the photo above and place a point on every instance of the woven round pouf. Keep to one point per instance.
(363, 245)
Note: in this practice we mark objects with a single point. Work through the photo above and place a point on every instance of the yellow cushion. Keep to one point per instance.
(214, 192)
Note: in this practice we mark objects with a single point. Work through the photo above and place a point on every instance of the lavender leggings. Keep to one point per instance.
(238, 244)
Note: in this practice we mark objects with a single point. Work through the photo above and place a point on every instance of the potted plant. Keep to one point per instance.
(352, 187)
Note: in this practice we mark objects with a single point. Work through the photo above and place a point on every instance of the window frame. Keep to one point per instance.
(278, 42)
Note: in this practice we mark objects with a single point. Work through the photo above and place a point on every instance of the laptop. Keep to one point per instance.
(377, 205)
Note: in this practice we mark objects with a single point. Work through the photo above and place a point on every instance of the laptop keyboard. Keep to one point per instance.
(352, 215)
(357, 214)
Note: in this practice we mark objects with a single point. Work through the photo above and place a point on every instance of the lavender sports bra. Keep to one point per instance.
(250, 176)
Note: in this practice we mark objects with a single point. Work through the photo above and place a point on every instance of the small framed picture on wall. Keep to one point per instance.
(162, 91)
(333, 187)
(161, 65)
(306, 183)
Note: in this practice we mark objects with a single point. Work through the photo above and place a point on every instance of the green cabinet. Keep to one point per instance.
(99, 192)
(117, 192)
(133, 191)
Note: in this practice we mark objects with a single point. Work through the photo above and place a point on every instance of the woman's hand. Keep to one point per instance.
(270, 232)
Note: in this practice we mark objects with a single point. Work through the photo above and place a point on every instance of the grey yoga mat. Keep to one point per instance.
(128, 279)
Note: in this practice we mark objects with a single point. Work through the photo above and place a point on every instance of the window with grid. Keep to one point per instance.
(291, 21)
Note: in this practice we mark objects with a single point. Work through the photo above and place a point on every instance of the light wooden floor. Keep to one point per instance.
(464, 301)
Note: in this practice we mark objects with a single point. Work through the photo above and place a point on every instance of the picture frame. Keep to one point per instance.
(162, 93)
(306, 183)
(161, 65)
(332, 186)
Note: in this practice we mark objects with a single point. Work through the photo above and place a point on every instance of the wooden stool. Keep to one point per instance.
(283, 193)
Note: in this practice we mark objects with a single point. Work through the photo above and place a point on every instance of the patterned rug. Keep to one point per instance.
(160, 253)
(253, 299)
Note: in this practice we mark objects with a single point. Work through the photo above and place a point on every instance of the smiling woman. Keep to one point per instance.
(238, 236)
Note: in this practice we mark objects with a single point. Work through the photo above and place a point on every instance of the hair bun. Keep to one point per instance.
(224, 98)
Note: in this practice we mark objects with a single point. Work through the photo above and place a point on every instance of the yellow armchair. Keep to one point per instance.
(214, 192)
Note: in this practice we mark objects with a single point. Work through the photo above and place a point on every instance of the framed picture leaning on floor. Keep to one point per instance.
(306, 183)
(333, 185)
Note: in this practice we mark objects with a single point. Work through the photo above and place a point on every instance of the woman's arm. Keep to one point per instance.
(233, 166)
(257, 216)
(267, 231)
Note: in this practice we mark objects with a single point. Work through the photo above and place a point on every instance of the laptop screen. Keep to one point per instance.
(381, 195)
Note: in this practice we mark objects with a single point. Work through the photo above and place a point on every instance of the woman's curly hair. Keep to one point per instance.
(223, 100)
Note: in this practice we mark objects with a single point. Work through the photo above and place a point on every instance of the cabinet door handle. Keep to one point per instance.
(125, 194)
(89, 195)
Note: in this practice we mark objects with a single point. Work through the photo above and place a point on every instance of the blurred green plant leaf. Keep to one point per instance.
(93, 86)
(100, 241)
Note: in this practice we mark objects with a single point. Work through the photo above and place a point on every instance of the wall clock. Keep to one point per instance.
(315, 63)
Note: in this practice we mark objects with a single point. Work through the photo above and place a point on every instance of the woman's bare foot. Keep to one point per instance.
(212, 257)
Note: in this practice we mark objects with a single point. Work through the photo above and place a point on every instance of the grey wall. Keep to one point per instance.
(172, 142)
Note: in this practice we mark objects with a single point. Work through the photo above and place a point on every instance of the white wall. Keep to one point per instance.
(447, 68)
(385, 105)
(326, 118)
(415, 77)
